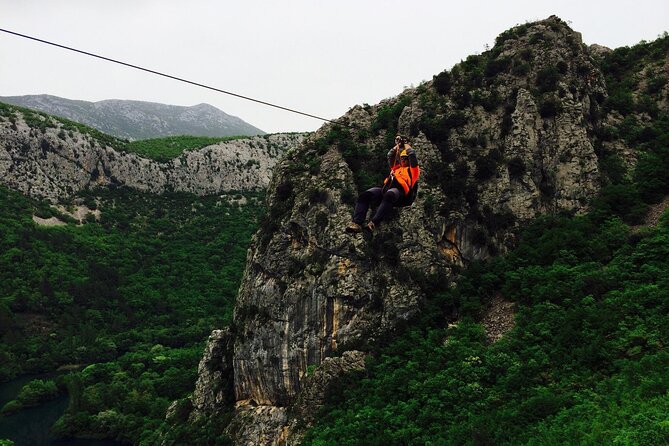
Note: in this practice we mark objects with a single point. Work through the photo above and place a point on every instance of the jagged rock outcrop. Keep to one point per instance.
(316, 385)
(55, 164)
(214, 384)
(501, 138)
(139, 119)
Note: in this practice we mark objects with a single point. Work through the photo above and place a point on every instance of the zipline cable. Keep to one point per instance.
(108, 59)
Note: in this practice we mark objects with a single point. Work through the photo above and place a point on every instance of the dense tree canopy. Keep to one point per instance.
(135, 294)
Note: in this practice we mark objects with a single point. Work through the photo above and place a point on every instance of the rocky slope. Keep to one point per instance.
(46, 158)
(502, 138)
(137, 119)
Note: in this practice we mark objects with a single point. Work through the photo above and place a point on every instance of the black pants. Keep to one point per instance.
(373, 197)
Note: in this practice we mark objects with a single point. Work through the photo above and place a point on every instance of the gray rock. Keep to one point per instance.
(56, 164)
(323, 380)
(213, 389)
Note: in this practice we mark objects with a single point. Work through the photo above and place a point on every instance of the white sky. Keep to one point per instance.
(315, 56)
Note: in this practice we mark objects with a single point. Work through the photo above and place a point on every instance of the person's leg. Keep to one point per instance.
(368, 197)
(389, 199)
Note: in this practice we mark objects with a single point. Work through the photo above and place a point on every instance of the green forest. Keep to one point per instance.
(131, 298)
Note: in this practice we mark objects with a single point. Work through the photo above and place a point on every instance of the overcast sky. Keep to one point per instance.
(315, 56)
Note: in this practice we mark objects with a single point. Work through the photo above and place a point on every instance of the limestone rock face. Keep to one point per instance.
(502, 138)
(259, 426)
(560, 157)
(315, 385)
(599, 50)
(213, 386)
(55, 164)
(310, 289)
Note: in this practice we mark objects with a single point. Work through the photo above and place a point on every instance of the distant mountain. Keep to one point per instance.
(137, 119)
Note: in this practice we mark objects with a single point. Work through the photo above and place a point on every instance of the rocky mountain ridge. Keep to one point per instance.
(502, 138)
(47, 159)
(139, 119)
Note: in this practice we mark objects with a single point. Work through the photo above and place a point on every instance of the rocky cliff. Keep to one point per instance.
(137, 119)
(501, 138)
(45, 158)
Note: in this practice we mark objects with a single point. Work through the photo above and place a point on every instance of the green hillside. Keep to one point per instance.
(136, 293)
(586, 362)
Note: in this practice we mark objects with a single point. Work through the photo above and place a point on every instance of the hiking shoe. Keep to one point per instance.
(353, 228)
(371, 227)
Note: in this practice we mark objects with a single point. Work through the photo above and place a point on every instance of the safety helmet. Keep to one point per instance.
(404, 154)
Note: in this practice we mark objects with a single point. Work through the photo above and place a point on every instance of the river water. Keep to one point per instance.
(31, 427)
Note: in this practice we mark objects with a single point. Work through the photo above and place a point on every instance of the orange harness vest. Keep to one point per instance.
(405, 177)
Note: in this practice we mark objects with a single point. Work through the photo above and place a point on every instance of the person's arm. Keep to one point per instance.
(392, 156)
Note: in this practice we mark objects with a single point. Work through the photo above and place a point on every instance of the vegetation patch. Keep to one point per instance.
(516, 167)
(165, 149)
(442, 82)
(32, 394)
(550, 106)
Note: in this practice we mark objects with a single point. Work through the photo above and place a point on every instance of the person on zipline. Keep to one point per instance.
(396, 191)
